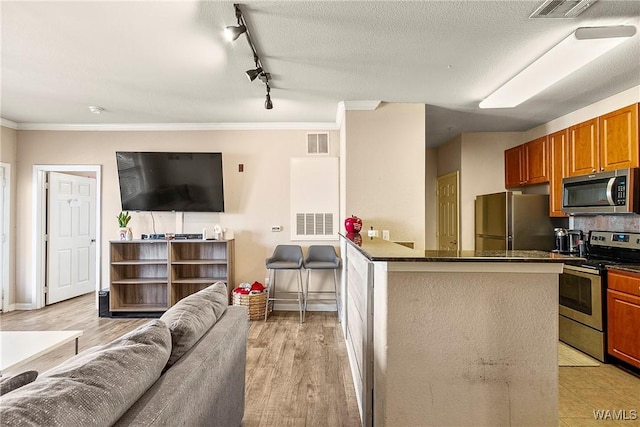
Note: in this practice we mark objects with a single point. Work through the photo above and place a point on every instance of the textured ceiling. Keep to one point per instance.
(166, 62)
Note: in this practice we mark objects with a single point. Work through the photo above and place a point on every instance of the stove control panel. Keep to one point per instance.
(625, 240)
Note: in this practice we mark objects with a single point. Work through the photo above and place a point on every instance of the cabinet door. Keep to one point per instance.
(558, 164)
(583, 148)
(623, 316)
(619, 139)
(536, 156)
(514, 167)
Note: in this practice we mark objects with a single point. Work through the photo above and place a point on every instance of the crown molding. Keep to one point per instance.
(177, 126)
(8, 124)
(360, 105)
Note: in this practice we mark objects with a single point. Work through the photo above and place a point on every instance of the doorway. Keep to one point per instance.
(448, 208)
(41, 216)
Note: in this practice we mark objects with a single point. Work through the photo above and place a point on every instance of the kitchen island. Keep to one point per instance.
(451, 338)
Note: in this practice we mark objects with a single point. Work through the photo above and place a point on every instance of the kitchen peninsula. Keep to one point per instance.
(451, 338)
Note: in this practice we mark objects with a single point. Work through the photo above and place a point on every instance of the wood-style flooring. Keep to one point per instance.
(298, 375)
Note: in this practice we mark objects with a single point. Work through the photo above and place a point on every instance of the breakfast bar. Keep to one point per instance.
(451, 338)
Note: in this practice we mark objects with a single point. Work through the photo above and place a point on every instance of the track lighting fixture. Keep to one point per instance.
(267, 102)
(232, 33)
(252, 74)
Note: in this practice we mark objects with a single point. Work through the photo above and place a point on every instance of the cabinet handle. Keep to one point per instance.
(601, 169)
(593, 170)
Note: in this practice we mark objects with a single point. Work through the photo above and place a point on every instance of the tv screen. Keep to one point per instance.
(182, 182)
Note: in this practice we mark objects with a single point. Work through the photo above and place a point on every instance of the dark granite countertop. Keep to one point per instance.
(625, 267)
(376, 249)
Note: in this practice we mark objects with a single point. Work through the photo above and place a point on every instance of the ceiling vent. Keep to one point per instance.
(317, 143)
(561, 9)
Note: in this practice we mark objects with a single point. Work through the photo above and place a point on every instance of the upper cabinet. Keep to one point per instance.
(558, 167)
(605, 143)
(526, 164)
(619, 139)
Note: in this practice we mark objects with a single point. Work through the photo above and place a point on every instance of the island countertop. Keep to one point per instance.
(377, 249)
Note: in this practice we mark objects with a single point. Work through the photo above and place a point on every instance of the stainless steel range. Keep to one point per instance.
(583, 288)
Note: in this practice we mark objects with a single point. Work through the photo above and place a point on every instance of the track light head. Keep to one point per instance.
(253, 74)
(232, 32)
(267, 102)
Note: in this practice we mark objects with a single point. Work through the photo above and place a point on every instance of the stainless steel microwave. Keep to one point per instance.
(612, 192)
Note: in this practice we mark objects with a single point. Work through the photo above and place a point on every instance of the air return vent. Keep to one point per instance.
(317, 143)
(563, 9)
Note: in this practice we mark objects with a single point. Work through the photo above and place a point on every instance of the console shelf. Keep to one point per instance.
(153, 275)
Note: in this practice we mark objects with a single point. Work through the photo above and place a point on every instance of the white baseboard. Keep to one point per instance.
(23, 306)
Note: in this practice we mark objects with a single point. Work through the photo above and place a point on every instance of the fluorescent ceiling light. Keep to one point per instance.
(581, 47)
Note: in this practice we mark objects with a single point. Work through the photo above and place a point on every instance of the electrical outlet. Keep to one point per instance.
(275, 228)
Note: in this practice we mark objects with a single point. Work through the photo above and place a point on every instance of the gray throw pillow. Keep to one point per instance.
(191, 317)
(14, 382)
(95, 387)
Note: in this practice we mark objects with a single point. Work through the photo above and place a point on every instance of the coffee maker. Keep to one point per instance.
(574, 240)
(562, 245)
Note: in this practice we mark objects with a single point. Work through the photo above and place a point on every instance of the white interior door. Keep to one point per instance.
(448, 230)
(71, 216)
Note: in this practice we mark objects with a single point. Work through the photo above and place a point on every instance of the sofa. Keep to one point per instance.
(185, 368)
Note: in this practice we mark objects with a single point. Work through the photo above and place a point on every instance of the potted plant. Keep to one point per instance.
(124, 231)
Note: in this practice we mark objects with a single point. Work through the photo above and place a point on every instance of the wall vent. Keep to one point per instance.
(563, 9)
(314, 224)
(317, 143)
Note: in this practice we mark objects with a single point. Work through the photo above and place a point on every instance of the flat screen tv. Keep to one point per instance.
(161, 181)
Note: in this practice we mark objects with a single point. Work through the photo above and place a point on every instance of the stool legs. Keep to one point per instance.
(306, 291)
(272, 288)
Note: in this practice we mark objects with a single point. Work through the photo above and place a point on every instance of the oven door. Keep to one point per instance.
(581, 296)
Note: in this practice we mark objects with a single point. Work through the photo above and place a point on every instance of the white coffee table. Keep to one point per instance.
(20, 347)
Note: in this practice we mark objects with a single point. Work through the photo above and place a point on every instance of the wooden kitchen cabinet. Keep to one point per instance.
(623, 316)
(605, 143)
(558, 166)
(514, 167)
(619, 139)
(526, 164)
(583, 148)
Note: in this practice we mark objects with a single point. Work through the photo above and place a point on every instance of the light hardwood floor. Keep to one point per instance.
(298, 375)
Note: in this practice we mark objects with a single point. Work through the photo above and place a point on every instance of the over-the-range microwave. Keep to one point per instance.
(612, 192)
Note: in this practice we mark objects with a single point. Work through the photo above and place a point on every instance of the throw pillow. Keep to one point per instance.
(14, 382)
(95, 387)
(193, 316)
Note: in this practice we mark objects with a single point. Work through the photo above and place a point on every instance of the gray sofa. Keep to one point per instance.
(186, 368)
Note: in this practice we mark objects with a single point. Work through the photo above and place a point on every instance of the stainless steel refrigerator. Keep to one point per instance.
(513, 221)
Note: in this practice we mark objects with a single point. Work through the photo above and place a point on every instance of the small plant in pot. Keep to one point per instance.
(124, 232)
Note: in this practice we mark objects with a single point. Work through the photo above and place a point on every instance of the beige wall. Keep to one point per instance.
(612, 103)
(255, 199)
(384, 161)
(8, 147)
(482, 172)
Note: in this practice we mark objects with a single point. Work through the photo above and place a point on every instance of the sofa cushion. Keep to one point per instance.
(14, 382)
(193, 316)
(94, 387)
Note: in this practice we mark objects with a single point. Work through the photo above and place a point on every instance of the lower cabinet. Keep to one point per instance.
(153, 275)
(623, 316)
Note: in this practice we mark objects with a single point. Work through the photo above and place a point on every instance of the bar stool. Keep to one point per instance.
(285, 257)
(321, 257)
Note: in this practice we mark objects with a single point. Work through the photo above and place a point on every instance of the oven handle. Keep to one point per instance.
(610, 191)
(583, 270)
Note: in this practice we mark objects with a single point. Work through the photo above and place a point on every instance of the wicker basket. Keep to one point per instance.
(256, 303)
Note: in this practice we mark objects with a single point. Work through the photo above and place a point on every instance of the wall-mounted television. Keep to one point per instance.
(167, 181)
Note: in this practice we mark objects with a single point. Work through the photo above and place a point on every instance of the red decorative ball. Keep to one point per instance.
(353, 224)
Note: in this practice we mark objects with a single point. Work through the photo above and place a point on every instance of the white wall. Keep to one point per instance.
(255, 199)
(384, 162)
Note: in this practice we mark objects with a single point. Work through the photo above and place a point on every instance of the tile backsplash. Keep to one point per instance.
(607, 222)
